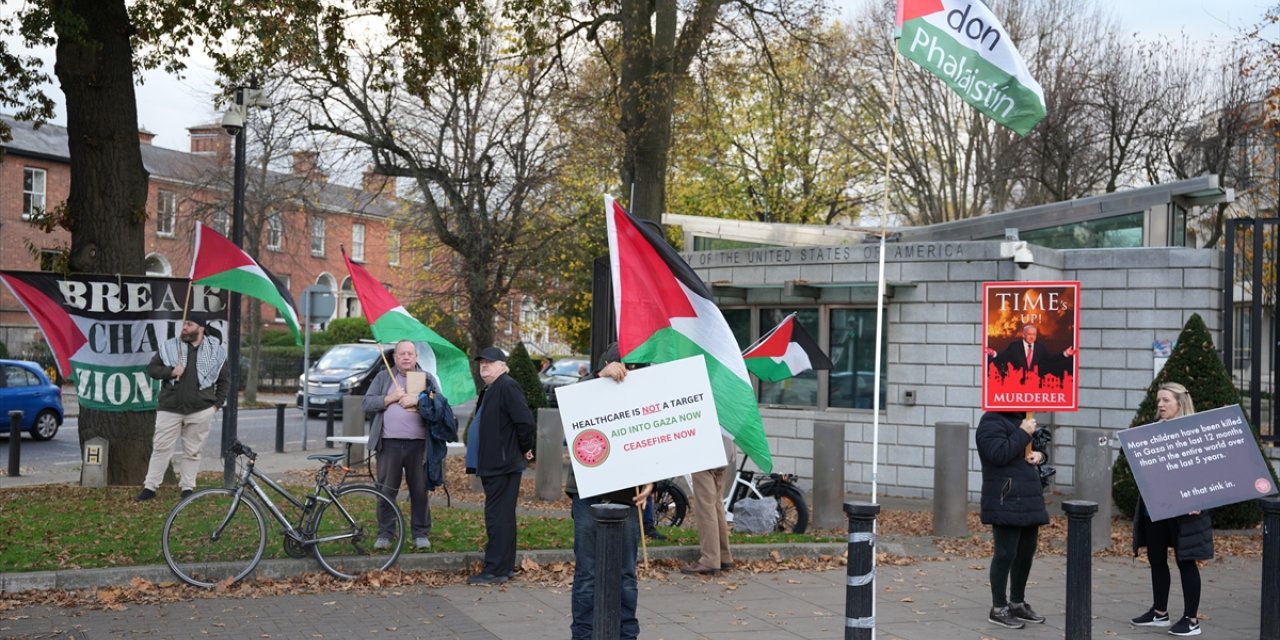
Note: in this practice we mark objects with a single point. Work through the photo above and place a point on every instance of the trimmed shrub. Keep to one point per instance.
(1197, 365)
(4, 350)
(346, 331)
(525, 373)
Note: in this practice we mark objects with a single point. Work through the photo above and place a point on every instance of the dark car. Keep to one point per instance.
(25, 387)
(563, 371)
(343, 370)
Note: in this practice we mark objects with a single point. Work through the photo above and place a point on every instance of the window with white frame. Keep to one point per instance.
(393, 248)
(33, 192)
(166, 213)
(221, 223)
(317, 236)
(357, 242)
(275, 232)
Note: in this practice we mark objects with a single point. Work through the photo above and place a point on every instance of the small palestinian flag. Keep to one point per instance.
(390, 322)
(665, 313)
(785, 352)
(218, 262)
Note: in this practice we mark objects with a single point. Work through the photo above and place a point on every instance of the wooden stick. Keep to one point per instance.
(644, 544)
(391, 372)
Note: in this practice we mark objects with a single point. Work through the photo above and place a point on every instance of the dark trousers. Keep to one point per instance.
(501, 493)
(1015, 548)
(401, 460)
(1160, 538)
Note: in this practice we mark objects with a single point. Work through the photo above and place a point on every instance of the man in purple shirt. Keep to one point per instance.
(399, 436)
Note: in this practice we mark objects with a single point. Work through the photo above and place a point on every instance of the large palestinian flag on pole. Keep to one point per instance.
(785, 352)
(104, 329)
(963, 43)
(218, 262)
(390, 323)
(666, 313)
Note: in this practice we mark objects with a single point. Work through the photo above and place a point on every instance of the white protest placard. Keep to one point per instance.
(1196, 462)
(658, 423)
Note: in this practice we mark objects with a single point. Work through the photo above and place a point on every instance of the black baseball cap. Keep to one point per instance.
(491, 353)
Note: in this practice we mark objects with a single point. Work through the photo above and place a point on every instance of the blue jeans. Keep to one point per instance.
(584, 572)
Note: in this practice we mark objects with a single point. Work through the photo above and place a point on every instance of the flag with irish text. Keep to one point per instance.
(963, 43)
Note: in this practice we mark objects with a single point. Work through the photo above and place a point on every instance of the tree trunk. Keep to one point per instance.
(106, 205)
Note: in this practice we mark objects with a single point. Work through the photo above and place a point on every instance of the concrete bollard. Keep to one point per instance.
(1270, 628)
(860, 583)
(1079, 616)
(1093, 480)
(330, 416)
(353, 423)
(828, 475)
(279, 427)
(93, 467)
(15, 443)
(606, 618)
(549, 477)
(951, 479)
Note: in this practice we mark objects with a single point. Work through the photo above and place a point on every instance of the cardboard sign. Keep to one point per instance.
(1196, 462)
(658, 423)
(415, 382)
(1031, 330)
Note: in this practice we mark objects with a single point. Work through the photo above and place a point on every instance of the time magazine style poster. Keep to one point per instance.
(1031, 330)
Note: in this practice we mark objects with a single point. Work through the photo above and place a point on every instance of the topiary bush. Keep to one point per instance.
(523, 370)
(1197, 365)
(346, 331)
(4, 350)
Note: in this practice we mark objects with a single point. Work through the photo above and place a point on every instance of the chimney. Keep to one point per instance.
(209, 140)
(374, 184)
(305, 165)
(145, 137)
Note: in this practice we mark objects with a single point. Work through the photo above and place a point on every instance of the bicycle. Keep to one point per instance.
(671, 503)
(217, 536)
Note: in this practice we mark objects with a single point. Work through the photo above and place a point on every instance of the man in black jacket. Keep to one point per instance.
(504, 431)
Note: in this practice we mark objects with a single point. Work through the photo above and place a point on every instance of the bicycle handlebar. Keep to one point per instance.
(241, 449)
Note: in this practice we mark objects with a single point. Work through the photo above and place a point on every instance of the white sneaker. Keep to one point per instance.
(382, 543)
(422, 542)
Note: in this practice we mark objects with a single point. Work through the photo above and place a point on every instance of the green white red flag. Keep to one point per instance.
(665, 313)
(785, 352)
(963, 43)
(391, 322)
(218, 262)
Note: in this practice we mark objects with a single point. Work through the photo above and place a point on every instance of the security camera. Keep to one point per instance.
(1022, 256)
(232, 122)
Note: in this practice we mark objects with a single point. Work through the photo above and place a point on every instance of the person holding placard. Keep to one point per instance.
(399, 436)
(1190, 536)
(582, 599)
(1013, 504)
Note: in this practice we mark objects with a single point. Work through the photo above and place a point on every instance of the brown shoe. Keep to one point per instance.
(695, 568)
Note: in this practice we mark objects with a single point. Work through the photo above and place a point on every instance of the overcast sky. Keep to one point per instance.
(167, 106)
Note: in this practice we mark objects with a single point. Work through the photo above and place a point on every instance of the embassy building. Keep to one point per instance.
(1141, 278)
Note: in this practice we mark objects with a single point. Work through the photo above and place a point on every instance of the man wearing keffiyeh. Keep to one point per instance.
(193, 374)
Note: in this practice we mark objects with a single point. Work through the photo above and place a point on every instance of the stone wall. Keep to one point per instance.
(1129, 299)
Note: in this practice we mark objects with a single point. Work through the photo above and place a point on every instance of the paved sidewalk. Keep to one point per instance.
(925, 601)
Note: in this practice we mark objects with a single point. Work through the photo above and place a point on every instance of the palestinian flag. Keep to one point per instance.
(785, 352)
(390, 323)
(217, 262)
(963, 43)
(665, 313)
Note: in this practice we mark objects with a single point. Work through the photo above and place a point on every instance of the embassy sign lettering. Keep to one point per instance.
(104, 329)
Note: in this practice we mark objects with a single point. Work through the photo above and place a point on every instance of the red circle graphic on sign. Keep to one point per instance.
(1263, 485)
(591, 448)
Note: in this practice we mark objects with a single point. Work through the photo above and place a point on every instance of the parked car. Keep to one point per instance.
(343, 370)
(561, 372)
(25, 387)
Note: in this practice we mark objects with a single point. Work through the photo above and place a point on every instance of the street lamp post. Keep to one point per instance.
(234, 123)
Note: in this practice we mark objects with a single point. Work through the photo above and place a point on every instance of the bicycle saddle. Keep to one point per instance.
(331, 458)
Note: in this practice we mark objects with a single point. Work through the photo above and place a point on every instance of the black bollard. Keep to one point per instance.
(860, 587)
(606, 617)
(328, 427)
(279, 427)
(1079, 568)
(1270, 628)
(15, 442)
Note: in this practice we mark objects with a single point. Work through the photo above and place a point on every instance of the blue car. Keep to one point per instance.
(24, 387)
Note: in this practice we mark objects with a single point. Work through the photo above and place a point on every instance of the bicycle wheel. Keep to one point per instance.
(346, 539)
(670, 504)
(793, 512)
(213, 538)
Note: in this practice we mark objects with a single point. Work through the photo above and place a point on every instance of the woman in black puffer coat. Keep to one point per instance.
(1013, 504)
(1190, 537)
